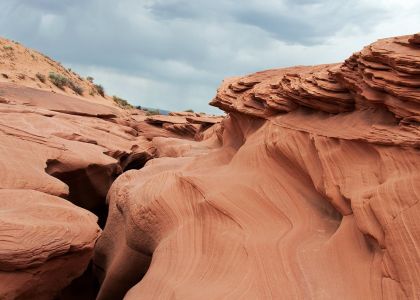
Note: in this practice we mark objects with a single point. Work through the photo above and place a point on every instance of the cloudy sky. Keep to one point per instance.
(173, 54)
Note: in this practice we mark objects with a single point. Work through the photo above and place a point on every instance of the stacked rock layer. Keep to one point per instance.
(55, 147)
(308, 190)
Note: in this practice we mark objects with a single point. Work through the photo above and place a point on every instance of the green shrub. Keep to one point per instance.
(100, 89)
(121, 102)
(61, 81)
(7, 48)
(75, 87)
(189, 110)
(89, 78)
(41, 77)
(58, 80)
(152, 112)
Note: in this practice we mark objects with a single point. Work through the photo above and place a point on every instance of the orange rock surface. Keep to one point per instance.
(50, 149)
(309, 189)
(29, 68)
(45, 243)
(59, 154)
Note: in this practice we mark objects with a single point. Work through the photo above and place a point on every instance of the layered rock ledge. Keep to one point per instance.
(309, 189)
(46, 242)
(58, 158)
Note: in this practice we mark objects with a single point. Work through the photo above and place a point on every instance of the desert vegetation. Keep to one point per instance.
(61, 81)
(99, 89)
(122, 102)
(75, 87)
(58, 80)
(41, 77)
(151, 112)
(8, 48)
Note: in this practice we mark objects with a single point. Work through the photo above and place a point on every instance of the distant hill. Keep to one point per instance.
(30, 68)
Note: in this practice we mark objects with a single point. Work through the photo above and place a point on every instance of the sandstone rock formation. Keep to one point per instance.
(309, 189)
(29, 68)
(45, 243)
(185, 126)
(56, 146)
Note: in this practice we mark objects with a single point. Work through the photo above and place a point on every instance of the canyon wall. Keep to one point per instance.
(58, 158)
(309, 189)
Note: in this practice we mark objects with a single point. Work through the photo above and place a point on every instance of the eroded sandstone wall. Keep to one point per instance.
(309, 190)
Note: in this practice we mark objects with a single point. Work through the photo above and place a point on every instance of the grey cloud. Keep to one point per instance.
(308, 22)
(178, 51)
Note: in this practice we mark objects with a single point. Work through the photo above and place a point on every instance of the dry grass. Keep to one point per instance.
(41, 77)
(99, 89)
(58, 80)
(122, 102)
(61, 81)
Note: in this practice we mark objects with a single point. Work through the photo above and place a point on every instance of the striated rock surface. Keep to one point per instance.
(386, 73)
(309, 189)
(185, 124)
(383, 74)
(17, 94)
(59, 155)
(45, 242)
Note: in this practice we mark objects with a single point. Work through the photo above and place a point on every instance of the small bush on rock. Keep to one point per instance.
(100, 89)
(75, 87)
(58, 80)
(121, 102)
(61, 81)
(41, 77)
(152, 112)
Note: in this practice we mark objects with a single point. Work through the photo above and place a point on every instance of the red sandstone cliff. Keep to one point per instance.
(59, 154)
(308, 189)
(311, 192)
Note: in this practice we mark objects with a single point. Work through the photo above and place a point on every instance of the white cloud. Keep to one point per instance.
(51, 26)
(174, 53)
(148, 92)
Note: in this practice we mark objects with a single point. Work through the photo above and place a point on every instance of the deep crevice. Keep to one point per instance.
(85, 287)
(136, 161)
(88, 188)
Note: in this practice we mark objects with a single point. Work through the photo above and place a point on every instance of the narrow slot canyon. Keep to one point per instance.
(88, 183)
(88, 189)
